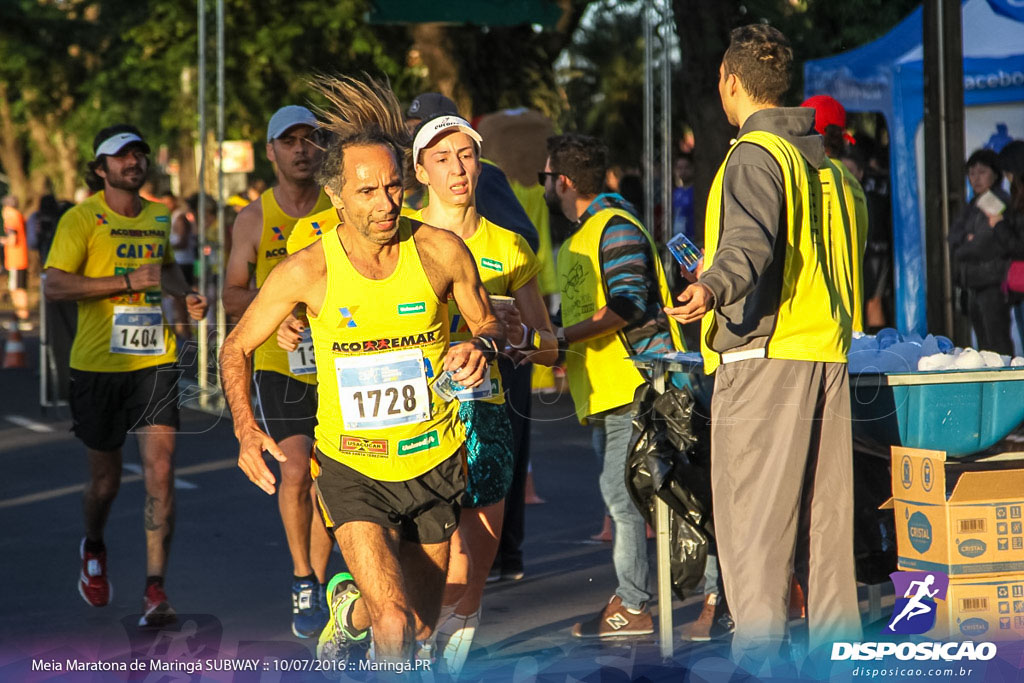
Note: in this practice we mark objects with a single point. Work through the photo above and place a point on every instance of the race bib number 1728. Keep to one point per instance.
(382, 390)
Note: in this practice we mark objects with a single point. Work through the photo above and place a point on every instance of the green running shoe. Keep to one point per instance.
(339, 636)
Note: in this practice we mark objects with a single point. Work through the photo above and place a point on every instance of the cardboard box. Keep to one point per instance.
(954, 520)
(982, 609)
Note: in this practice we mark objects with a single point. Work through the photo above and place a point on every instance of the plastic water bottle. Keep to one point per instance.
(887, 337)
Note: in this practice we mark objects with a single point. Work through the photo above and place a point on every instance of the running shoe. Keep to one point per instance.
(307, 616)
(339, 635)
(93, 585)
(616, 620)
(455, 639)
(156, 611)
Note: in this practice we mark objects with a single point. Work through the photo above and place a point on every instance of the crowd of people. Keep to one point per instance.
(389, 304)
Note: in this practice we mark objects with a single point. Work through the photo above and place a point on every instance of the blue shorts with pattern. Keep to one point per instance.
(488, 453)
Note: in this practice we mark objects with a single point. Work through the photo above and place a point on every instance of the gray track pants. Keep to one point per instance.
(782, 481)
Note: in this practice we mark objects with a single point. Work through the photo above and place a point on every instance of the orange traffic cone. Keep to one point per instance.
(797, 603)
(14, 351)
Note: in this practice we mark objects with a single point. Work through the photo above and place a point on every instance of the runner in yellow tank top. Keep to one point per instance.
(111, 255)
(285, 381)
(447, 160)
(388, 471)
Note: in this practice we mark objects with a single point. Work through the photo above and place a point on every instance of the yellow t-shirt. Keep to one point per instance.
(506, 263)
(278, 228)
(123, 332)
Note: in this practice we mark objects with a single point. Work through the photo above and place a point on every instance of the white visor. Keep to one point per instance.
(112, 145)
(434, 127)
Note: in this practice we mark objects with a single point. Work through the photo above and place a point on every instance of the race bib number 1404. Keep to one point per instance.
(137, 331)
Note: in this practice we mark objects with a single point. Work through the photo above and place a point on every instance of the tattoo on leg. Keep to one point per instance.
(150, 513)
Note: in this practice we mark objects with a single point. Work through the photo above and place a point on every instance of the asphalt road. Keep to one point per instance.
(229, 574)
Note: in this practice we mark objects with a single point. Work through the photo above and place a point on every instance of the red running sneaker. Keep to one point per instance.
(92, 583)
(156, 611)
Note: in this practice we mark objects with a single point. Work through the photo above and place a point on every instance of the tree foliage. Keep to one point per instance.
(71, 67)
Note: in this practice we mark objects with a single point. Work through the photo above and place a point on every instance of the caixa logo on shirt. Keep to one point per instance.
(127, 250)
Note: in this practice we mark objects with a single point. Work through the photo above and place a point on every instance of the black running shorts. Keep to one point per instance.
(105, 406)
(287, 406)
(424, 509)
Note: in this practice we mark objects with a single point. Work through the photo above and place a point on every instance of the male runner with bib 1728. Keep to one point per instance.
(389, 461)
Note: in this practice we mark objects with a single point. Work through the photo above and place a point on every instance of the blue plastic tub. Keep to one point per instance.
(960, 412)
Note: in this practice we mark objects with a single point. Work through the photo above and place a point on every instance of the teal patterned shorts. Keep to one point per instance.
(488, 453)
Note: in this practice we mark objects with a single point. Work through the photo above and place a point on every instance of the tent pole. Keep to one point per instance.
(944, 150)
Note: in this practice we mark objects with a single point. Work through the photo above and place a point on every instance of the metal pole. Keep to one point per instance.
(201, 207)
(648, 163)
(665, 32)
(221, 227)
(947, 289)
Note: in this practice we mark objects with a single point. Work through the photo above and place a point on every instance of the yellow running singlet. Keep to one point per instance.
(378, 345)
(277, 228)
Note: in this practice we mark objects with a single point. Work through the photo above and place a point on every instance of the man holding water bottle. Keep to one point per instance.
(612, 286)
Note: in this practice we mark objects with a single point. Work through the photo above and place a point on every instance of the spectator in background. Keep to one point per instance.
(16, 259)
(979, 259)
(682, 197)
(830, 123)
(1010, 226)
(865, 162)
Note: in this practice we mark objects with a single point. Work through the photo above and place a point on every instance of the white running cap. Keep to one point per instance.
(115, 143)
(430, 129)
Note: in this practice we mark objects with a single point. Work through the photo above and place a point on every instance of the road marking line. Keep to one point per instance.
(225, 464)
(31, 425)
(178, 483)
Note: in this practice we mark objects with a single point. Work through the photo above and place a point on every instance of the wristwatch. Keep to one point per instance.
(488, 346)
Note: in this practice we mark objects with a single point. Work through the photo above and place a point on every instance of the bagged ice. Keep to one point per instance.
(1017, 362)
(936, 361)
(969, 360)
(992, 359)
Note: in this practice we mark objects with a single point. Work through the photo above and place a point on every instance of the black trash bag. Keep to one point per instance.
(663, 455)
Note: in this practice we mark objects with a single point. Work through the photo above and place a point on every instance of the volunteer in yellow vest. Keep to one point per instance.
(111, 254)
(446, 154)
(775, 333)
(389, 460)
(286, 382)
(612, 288)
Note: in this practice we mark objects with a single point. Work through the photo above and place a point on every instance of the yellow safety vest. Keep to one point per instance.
(857, 208)
(601, 376)
(378, 346)
(814, 319)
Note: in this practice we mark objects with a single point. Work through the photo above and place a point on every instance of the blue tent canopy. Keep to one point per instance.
(886, 76)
